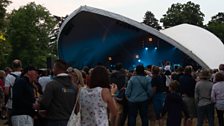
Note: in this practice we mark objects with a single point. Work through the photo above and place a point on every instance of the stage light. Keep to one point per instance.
(146, 48)
(136, 56)
(139, 60)
(109, 58)
(150, 39)
(155, 48)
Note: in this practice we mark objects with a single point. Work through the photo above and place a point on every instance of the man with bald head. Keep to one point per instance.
(9, 82)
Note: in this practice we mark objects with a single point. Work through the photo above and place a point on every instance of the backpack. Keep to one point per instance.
(10, 88)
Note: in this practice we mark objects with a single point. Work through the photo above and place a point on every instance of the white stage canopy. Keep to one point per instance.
(201, 45)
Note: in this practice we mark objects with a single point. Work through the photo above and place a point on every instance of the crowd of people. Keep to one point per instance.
(103, 97)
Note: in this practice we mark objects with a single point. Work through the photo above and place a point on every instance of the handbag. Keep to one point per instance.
(120, 97)
(75, 119)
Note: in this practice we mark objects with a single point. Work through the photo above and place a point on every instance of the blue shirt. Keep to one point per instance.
(138, 89)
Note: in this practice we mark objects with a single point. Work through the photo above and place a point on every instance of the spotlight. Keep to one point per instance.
(155, 48)
(109, 58)
(146, 48)
(139, 60)
(136, 56)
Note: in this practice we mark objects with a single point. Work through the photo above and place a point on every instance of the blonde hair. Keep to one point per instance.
(79, 76)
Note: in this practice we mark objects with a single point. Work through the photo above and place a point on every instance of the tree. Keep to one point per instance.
(5, 46)
(28, 31)
(5, 49)
(183, 13)
(3, 5)
(150, 20)
(216, 25)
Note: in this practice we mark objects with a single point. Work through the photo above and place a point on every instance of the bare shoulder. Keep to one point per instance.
(105, 91)
(105, 94)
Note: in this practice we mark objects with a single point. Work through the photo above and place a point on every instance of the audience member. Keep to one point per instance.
(174, 105)
(76, 76)
(187, 87)
(217, 97)
(9, 82)
(138, 93)
(24, 98)
(96, 99)
(202, 95)
(159, 93)
(59, 96)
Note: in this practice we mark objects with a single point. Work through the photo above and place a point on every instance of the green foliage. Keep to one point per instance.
(150, 20)
(3, 5)
(28, 31)
(5, 49)
(183, 13)
(216, 25)
(5, 46)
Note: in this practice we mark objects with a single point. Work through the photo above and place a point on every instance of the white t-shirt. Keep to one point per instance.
(9, 81)
(43, 81)
(167, 68)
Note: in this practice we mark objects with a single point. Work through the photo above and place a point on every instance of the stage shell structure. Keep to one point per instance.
(89, 36)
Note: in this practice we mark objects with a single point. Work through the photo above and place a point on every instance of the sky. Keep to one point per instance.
(133, 9)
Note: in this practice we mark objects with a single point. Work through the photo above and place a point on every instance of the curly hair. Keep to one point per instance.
(99, 77)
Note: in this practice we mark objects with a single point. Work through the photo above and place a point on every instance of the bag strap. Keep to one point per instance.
(76, 102)
(10, 87)
(141, 84)
(145, 88)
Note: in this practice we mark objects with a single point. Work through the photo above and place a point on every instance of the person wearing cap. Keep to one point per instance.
(23, 98)
(205, 107)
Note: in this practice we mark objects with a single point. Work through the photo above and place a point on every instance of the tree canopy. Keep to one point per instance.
(150, 20)
(183, 13)
(3, 5)
(5, 46)
(5, 49)
(216, 25)
(28, 31)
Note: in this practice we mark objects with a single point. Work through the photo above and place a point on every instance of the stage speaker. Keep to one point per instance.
(49, 62)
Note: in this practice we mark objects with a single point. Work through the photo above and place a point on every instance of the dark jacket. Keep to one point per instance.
(187, 85)
(59, 98)
(174, 106)
(23, 97)
(119, 78)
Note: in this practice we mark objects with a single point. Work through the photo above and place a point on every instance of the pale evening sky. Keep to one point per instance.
(134, 9)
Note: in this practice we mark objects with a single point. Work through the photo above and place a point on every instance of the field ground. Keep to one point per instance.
(138, 122)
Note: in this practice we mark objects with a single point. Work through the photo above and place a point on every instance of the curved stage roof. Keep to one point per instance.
(200, 44)
(91, 35)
